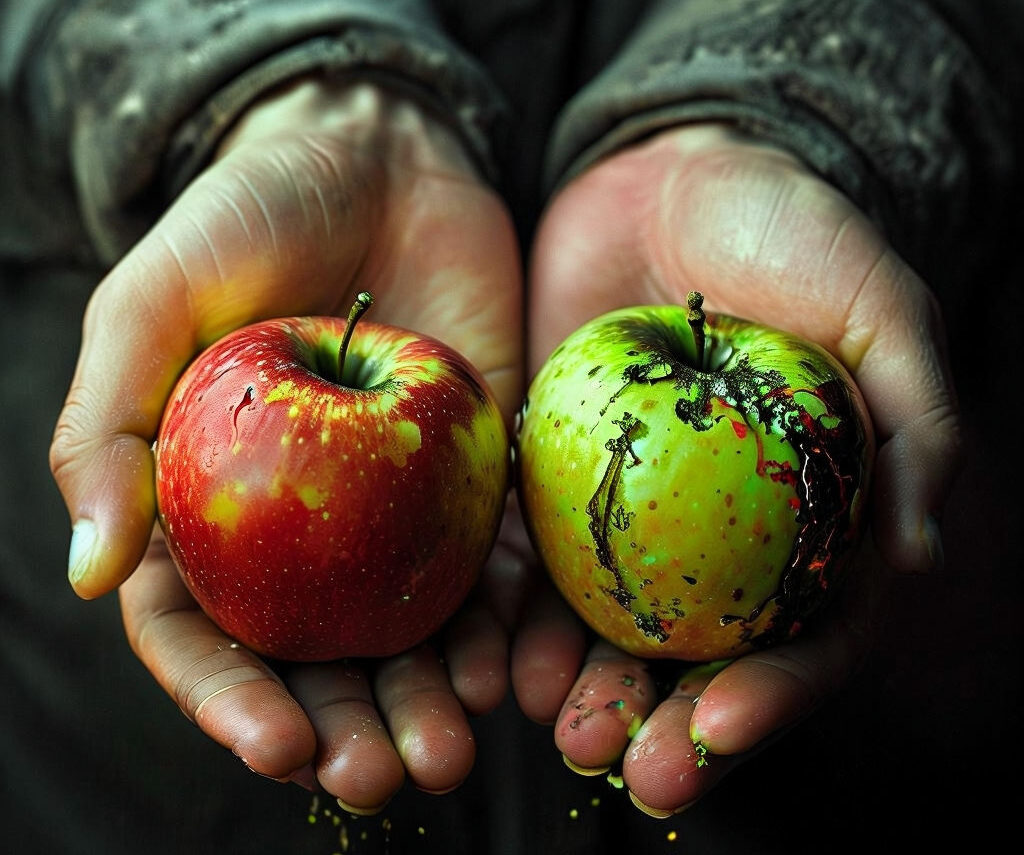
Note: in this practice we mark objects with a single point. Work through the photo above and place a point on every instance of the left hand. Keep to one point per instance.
(698, 208)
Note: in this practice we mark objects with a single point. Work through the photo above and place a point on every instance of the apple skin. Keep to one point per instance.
(693, 513)
(314, 520)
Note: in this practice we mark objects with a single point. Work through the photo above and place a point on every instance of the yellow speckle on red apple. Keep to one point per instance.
(343, 507)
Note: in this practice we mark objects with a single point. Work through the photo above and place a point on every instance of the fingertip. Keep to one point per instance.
(476, 651)
(97, 563)
(754, 699)
(657, 813)
(547, 653)
(109, 490)
(264, 728)
(908, 536)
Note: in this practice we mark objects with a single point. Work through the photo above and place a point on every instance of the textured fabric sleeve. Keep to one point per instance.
(129, 98)
(883, 98)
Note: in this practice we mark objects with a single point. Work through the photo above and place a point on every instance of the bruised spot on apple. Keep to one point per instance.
(694, 484)
(329, 489)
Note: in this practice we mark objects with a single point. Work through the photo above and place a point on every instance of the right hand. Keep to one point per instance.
(321, 191)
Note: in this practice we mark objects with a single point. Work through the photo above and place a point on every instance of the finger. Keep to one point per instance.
(247, 240)
(664, 771)
(476, 653)
(229, 692)
(356, 760)
(612, 696)
(511, 569)
(762, 694)
(905, 378)
(427, 724)
(547, 652)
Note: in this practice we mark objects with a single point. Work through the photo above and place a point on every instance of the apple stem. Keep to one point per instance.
(364, 299)
(696, 317)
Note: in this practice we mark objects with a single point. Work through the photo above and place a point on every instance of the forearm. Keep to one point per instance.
(128, 105)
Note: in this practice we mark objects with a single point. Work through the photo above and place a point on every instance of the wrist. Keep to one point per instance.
(365, 114)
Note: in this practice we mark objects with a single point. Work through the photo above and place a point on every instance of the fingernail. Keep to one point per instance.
(657, 813)
(358, 811)
(442, 792)
(931, 534)
(305, 778)
(83, 542)
(589, 772)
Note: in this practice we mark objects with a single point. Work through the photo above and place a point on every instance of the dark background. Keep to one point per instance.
(922, 748)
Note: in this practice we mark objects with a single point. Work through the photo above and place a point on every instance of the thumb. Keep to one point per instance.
(224, 255)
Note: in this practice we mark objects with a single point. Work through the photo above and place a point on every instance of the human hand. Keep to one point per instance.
(319, 192)
(698, 208)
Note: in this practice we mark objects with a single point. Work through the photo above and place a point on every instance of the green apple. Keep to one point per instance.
(695, 485)
(328, 489)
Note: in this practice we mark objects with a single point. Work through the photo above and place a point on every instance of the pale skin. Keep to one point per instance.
(355, 189)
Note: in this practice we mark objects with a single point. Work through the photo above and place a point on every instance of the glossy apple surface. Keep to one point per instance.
(693, 506)
(316, 516)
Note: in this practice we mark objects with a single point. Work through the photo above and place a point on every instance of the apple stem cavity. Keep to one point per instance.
(364, 299)
(696, 317)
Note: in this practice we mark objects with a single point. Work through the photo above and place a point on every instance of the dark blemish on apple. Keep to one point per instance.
(728, 500)
(621, 518)
(607, 512)
(690, 580)
(594, 370)
(737, 594)
(247, 399)
(823, 495)
(652, 505)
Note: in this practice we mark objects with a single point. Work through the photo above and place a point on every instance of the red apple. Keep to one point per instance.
(329, 490)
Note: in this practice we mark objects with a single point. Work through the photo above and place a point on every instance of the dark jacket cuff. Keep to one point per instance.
(880, 97)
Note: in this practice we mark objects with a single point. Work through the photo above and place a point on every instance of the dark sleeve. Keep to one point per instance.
(898, 103)
(125, 100)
